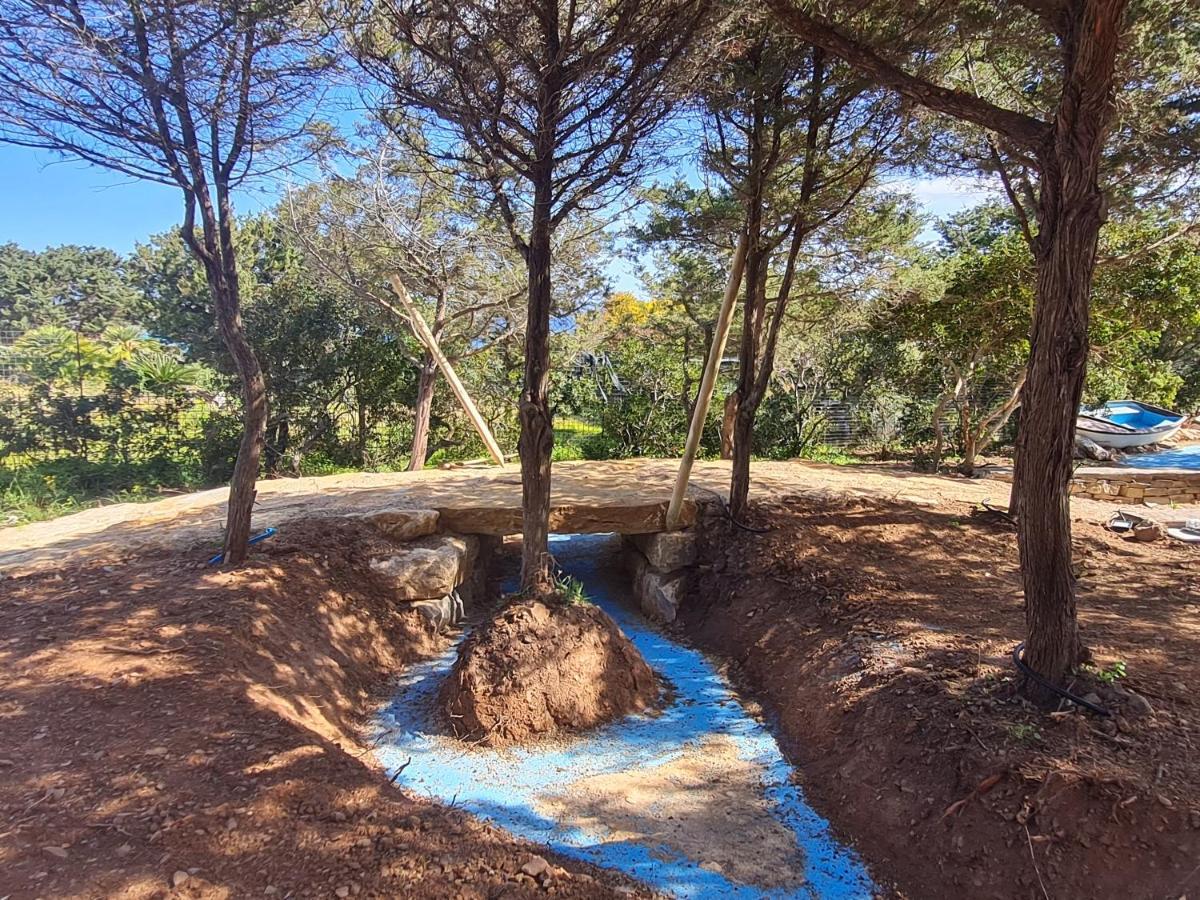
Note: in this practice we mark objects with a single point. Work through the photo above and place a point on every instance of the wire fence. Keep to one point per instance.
(8, 367)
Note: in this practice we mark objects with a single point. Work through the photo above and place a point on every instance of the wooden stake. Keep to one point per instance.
(708, 383)
(425, 336)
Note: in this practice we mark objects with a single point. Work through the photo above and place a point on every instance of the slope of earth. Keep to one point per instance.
(171, 729)
(878, 636)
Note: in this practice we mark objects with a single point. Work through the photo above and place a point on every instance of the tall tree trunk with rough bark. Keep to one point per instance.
(1072, 209)
(242, 489)
(537, 434)
(748, 398)
(426, 381)
(215, 250)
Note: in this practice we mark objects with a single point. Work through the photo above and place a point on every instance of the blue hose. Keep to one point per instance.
(261, 536)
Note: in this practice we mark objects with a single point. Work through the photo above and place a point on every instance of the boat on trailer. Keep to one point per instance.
(1119, 424)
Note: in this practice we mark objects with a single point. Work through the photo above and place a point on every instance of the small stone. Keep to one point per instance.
(270, 890)
(535, 866)
(124, 850)
(1139, 705)
(343, 891)
(157, 751)
(60, 852)
(179, 879)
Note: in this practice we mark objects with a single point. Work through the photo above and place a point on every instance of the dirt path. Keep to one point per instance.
(123, 530)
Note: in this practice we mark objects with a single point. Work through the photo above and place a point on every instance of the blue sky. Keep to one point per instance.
(45, 202)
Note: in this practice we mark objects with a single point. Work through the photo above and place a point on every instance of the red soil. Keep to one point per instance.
(170, 728)
(542, 669)
(878, 636)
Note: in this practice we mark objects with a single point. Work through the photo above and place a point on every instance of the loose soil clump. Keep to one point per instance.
(541, 669)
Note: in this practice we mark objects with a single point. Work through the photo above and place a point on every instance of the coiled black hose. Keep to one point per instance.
(1050, 686)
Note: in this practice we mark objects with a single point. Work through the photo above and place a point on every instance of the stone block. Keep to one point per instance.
(659, 595)
(404, 524)
(667, 551)
(429, 567)
(443, 612)
(1133, 491)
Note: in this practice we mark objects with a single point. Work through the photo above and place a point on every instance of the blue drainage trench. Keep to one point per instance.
(505, 786)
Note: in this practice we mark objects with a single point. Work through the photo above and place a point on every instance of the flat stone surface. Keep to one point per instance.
(626, 496)
(404, 524)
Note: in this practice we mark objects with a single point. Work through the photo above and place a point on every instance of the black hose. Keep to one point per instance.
(1050, 686)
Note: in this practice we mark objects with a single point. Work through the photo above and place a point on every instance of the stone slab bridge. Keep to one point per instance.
(626, 496)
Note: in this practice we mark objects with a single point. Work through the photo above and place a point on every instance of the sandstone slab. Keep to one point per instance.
(667, 551)
(429, 567)
(404, 524)
(633, 517)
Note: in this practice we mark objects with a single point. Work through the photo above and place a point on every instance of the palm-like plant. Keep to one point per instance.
(162, 373)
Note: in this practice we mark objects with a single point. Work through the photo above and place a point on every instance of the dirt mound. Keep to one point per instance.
(539, 669)
(175, 728)
(878, 636)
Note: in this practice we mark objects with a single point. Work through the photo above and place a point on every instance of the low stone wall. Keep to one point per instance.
(437, 573)
(1165, 486)
(1115, 484)
(661, 568)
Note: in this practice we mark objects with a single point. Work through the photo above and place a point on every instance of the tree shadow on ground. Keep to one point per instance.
(164, 717)
(878, 637)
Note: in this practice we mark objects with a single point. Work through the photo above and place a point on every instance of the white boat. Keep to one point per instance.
(1119, 424)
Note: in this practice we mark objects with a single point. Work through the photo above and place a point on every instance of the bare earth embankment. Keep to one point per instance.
(878, 635)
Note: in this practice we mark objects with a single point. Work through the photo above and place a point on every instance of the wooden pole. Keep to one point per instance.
(425, 336)
(708, 383)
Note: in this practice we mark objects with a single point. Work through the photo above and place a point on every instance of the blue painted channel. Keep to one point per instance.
(503, 786)
(1179, 458)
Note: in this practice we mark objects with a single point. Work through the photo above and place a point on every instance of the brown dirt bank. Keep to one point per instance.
(542, 669)
(878, 635)
(169, 728)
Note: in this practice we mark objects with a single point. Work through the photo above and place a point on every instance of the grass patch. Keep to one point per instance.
(47, 490)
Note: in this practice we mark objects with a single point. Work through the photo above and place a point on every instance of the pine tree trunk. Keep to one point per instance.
(747, 393)
(1072, 209)
(426, 382)
(254, 418)
(537, 435)
(727, 425)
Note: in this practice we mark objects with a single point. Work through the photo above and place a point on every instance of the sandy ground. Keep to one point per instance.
(691, 806)
(126, 529)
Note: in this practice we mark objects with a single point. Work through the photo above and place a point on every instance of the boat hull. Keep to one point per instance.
(1127, 423)
(1123, 440)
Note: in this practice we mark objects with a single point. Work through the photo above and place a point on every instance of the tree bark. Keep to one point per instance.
(728, 419)
(426, 382)
(218, 255)
(748, 397)
(254, 418)
(1071, 211)
(537, 434)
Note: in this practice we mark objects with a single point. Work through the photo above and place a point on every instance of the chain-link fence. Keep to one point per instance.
(8, 367)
